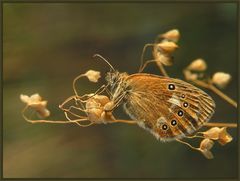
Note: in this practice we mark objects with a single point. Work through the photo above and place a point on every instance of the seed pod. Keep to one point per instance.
(172, 35)
(221, 79)
(198, 65)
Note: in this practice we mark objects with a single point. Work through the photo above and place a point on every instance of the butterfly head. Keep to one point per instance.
(115, 78)
(112, 77)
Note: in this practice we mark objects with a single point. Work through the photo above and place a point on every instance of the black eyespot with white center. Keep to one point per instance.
(180, 113)
(171, 86)
(185, 104)
(164, 127)
(183, 96)
(173, 122)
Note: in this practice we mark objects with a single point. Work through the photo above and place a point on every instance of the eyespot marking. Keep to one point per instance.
(164, 127)
(171, 86)
(173, 122)
(180, 113)
(185, 104)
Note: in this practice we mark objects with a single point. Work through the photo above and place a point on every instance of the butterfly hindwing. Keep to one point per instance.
(169, 108)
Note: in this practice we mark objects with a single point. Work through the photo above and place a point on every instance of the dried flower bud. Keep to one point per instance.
(165, 60)
(205, 146)
(167, 46)
(198, 65)
(219, 134)
(109, 106)
(208, 154)
(189, 75)
(224, 136)
(172, 35)
(160, 57)
(35, 102)
(95, 109)
(92, 75)
(28, 100)
(212, 133)
(221, 79)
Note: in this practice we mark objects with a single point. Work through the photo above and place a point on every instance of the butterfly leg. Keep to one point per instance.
(110, 106)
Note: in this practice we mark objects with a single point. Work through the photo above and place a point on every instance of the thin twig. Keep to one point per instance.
(124, 121)
(162, 69)
(142, 55)
(217, 91)
(228, 125)
(183, 142)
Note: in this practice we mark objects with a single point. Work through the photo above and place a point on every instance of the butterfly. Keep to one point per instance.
(166, 107)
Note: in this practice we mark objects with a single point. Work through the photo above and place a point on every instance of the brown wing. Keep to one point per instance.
(169, 108)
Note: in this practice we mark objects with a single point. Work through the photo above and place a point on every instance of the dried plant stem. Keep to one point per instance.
(49, 121)
(229, 125)
(224, 96)
(124, 121)
(161, 67)
(145, 64)
(142, 55)
(185, 143)
(217, 91)
(74, 83)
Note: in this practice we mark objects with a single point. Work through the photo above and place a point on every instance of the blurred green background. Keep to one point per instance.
(46, 45)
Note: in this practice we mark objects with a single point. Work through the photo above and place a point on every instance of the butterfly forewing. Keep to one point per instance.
(169, 108)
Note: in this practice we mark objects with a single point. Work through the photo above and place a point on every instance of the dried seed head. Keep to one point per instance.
(95, 109)
(109, 106)
(97, 100)
(198, 65)
(32, 99)
(162, 58)
(224, 136)
(35, 102)
(189, 75)
(205, 147)
(206, 144)
(208, 154)
(219, 134)
(92, 75)
(167, 46)
(165, 60)
(172, 35)
(212, 133)
(221, 79)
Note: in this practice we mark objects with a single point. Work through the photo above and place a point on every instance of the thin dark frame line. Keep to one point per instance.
(107, 2)
(123, 1)
(1, 124)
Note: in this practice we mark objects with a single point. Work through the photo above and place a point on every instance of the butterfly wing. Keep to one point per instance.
(168, 108)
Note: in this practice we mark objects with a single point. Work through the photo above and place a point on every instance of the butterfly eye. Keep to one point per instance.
(164, 127)
(185, 104)
(173, 122)
(171, 87)
(180, 113)
(127, 88)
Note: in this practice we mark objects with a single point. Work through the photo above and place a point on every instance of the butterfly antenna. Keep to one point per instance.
(97, 55)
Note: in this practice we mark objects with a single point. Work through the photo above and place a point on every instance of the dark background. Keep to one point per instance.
(45, 45)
